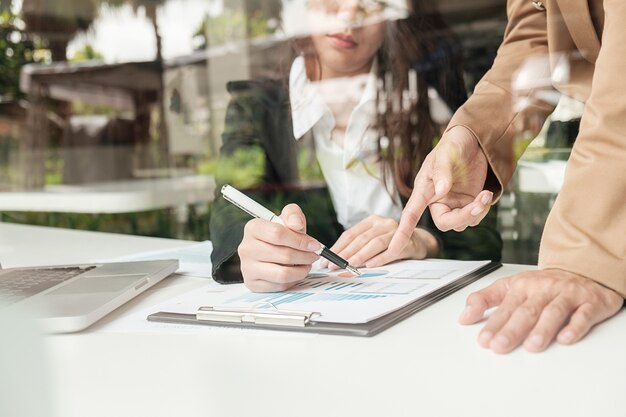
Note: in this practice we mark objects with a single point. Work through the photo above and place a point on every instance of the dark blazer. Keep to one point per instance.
(258, 134)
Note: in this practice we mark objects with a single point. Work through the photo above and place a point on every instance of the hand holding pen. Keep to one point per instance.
(276, 252)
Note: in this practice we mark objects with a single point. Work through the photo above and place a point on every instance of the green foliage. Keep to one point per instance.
(157, 223)
(220, 29)
(244, 169)
(308, 168)
(81, 108)
(16, 50)
(8, 147)
(260, 24)
(88, 53)
(521, 144)
(134, 3)
(233, 25)
(154, 223)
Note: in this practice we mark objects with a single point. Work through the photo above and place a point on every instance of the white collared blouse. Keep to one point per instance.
(350, 166)
(352, 171)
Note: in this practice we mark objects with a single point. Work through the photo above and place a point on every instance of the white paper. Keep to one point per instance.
(337, 296)
(137, 322)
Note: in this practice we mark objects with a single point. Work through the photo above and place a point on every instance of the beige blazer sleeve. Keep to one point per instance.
(586, 230)
(490, 112)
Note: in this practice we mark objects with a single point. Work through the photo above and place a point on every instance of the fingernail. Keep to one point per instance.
(486, 198)
(568, 337)
(440, 187)
(536, 341)
(485, 338)
(500, 342)
(313, 246)
(476, 211)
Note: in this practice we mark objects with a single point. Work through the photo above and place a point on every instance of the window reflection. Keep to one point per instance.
(119, 94)
(366, 97)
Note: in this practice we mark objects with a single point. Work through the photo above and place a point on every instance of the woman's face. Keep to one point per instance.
(344, 46)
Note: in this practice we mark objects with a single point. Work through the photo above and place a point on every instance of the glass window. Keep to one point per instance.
(129, 115)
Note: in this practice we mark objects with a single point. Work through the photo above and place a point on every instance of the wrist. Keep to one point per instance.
(462, 136)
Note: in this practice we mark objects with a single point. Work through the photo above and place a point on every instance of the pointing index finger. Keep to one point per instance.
(422, 194)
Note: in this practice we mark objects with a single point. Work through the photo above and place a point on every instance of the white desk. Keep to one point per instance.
(427, 365)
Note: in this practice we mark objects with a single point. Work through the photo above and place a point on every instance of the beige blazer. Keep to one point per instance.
(586, 229)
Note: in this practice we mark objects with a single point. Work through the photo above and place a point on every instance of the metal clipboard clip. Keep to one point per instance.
(251, 315)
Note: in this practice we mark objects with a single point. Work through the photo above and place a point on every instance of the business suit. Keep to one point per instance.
(586, 227)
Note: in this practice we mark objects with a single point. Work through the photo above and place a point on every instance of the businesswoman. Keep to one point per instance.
(363, 103)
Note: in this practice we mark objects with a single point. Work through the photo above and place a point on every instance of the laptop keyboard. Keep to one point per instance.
(19, 284)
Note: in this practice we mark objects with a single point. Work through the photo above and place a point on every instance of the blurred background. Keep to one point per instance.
(112, 112)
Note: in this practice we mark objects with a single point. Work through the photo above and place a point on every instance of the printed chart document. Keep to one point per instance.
(336, 298)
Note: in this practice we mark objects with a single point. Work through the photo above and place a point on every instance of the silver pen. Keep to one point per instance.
(254, 209)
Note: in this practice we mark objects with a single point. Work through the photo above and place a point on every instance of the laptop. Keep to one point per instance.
(70, 298)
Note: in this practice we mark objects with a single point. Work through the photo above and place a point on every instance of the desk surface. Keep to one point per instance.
(426, 365)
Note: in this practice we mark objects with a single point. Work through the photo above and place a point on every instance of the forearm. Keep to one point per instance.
(491, 114)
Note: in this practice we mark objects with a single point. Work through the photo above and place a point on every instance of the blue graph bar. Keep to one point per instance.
(344, 286)
(258, 297)
(334, 286)
(341, 297)
(293, 297)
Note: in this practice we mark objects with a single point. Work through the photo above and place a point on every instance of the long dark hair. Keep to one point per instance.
(421, 47)
(418, 51)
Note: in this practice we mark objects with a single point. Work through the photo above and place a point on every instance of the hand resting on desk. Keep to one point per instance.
(538, 306)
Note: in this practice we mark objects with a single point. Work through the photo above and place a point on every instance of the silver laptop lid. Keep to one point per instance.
(70, 298)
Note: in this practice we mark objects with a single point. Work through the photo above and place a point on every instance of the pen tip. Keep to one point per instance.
(354, 270)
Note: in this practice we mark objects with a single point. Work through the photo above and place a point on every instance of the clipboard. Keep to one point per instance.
(298, 321)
